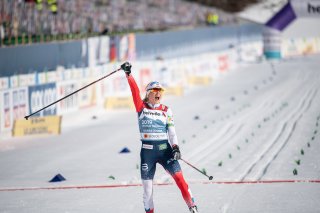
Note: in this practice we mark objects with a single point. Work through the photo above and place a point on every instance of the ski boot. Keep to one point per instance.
(193, 209)
(150, 211)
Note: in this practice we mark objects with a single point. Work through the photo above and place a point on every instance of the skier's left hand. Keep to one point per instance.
(126, 67)
(176, 154)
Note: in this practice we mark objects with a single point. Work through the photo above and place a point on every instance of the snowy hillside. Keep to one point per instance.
(260, 122)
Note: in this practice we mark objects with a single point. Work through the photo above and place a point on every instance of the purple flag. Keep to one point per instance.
(283, 18)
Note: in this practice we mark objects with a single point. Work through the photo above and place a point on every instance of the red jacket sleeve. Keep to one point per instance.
(138, 103)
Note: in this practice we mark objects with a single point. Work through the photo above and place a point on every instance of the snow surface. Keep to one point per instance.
(253, 124)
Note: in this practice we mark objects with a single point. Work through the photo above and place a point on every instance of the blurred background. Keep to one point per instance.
(25, 21)
(50, 48)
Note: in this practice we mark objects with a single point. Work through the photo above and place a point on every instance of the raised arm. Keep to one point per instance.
(138, 103)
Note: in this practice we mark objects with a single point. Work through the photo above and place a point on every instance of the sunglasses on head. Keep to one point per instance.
(156, 90)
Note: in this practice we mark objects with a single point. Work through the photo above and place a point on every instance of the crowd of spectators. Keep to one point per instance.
(19, 18)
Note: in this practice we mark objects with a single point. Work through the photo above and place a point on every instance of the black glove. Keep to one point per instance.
(126, 67)
(176, 154)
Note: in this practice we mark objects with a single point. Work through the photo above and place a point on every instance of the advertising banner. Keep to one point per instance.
(113, 55)
(47, 77)
(106, 85)
(120, 85)
(13, 105)
(300, 46)
(250, 52)
(223, 63)
(131, 47)
(127, 47)
(272, 43)
(87, 97)
(163, 73)
(93, 46)
(104, 50)
(69, 104)
(40, 96)
(290, 48)
(170, 75)
(98, 50)
(306, 8)
(4, 83)
(20, 102)
(27, 79)
(42, 77)
(145, 78)
(52, 76)
(123, 48)
(14, 81)
(37, 126)
(6, 110)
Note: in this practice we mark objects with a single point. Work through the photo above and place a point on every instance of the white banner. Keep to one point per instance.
(87, 97)
(104, 50)
(13, 105)
(306, 8)
(14, 81)
(4, 83)
(69, 104)
(98, 50)
(93, 47)
(123, 48)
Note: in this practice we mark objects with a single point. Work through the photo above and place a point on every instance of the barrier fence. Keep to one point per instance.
(41, 89)
(23, 94)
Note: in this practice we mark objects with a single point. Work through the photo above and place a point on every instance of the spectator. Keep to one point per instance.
(85, 17)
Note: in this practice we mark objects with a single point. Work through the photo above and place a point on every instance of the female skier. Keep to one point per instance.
(159, 140)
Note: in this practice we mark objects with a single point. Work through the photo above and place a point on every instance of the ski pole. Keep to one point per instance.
(26, 117)
(210, 177)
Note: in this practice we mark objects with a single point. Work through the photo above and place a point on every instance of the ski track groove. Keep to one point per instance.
(298, 76)
(223, 143)
(211, 145)
(268, 109)
(289, 136)
(240, 163)
(265, 154)
(208, 143)
(277, 153)
(261, 156)
(207, 150)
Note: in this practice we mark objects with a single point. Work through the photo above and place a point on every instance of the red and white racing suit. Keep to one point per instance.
(158, 135)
